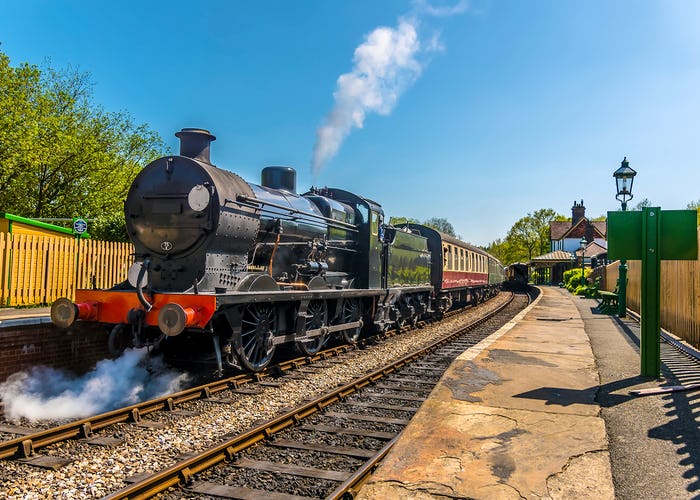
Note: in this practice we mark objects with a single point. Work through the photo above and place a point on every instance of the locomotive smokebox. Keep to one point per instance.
(194, 143)
(284, 178)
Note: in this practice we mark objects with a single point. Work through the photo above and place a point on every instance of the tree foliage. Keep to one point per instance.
(642, 204)
(527, 238)
(395, 221)
(695, 205)
(441, 224)
(61, 155)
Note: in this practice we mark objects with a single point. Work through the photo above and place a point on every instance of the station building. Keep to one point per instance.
(565, 246)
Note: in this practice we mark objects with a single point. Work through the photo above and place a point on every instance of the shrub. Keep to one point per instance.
(574, 282)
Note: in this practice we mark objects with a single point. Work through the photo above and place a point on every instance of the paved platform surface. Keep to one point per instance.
(543, 410)
(11, 316)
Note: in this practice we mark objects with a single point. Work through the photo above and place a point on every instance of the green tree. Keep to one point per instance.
(440, 224)
(524, 234)
(541, 219)
(395, 221)
(527, 238)
(61, 155)
(507, 251)
(695, 205)
(642, 204)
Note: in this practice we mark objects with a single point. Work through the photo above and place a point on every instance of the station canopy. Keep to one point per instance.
(550, 259)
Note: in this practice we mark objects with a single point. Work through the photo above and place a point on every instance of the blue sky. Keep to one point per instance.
(500, 107)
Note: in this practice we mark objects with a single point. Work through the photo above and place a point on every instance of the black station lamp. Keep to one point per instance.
(624, 177)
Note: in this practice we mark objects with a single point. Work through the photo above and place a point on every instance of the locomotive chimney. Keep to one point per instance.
(194, 143)
(284, 178)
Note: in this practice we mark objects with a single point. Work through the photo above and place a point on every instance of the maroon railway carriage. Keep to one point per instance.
(460, 273)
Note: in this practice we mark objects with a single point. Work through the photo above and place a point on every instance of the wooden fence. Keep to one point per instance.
(39, 269)
(680, 294)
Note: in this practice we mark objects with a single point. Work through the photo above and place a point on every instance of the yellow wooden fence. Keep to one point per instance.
(680, 294)
(39, 269)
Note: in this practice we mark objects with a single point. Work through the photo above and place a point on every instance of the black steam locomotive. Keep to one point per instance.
(229, 270)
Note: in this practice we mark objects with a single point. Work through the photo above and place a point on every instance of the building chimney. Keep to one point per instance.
(578, 212)
(194, 143)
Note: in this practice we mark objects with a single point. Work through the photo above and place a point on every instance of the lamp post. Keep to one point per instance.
(582, 246)
(624, 177)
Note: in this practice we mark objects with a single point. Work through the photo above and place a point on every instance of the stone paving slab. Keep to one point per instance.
(29, 312)
(515, 417)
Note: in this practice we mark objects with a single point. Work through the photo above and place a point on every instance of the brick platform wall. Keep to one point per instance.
(76, 350)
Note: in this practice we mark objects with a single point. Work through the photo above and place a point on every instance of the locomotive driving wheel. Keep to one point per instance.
(317, 317)
(119, 339)
(254, 346)
(351, 312)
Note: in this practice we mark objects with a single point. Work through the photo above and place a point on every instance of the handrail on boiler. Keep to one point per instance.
(243, 200)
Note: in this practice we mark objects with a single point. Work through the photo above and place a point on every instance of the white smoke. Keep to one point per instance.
(48, 394)
(385, 65)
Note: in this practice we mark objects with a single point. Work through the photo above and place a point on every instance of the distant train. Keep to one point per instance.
(516, 276)
(227, 271)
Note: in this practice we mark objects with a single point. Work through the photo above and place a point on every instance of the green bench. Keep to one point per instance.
(608, 302)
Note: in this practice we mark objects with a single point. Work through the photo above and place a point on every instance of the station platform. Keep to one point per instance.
(542, 409)
(11, 316)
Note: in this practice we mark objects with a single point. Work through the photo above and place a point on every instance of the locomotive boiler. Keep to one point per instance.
(226, 270)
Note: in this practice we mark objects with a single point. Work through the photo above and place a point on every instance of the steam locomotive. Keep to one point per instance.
(227, 270)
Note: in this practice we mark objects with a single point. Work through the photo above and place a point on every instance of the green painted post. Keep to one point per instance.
(622, 289)
(651, 293)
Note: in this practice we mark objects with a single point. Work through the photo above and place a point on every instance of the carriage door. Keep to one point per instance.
(375, 251)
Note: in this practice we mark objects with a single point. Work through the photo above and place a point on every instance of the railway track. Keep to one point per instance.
(323, 448)
(198, 420)
(29, 440)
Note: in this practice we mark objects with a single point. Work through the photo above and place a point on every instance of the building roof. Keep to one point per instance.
(602, 226)
(593, 249)
(558, 229)
(550, 258)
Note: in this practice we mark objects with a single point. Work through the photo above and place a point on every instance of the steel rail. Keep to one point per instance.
(183, 471)
(355, 482)
(25, 446)
(671, 339)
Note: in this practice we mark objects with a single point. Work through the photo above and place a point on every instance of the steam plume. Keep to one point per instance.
(386, 64)
(45, 393)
